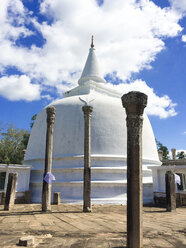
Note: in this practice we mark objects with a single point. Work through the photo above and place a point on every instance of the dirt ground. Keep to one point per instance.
(67, 226)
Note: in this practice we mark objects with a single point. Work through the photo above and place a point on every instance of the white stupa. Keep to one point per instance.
(108, 145)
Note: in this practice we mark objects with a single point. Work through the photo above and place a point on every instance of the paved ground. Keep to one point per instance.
(66, 226)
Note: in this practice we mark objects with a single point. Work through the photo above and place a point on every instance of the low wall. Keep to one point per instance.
(160, 199)
(20, 198)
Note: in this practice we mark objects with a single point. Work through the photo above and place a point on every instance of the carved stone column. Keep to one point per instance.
(173, 151)
(160, 155)
(170, 191)
(10, 191)
(46, 194)
(87, 159)
(134, 102)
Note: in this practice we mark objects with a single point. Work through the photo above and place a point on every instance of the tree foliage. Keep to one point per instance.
(164, 149)
(12, 143)
(33, 120)
(181, 155)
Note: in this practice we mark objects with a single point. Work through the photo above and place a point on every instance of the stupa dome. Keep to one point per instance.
(108, 143)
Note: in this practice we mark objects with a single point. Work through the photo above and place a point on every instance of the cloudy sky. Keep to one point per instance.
(140, 45)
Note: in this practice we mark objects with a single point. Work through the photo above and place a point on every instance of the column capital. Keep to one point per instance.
(87, 109)
(51, 111)
(173, 151)
(160, 155)
(134, 102)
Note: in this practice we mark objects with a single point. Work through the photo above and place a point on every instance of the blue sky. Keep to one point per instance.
(140, 45)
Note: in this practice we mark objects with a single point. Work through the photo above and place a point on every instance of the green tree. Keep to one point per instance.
(181, 155)
(33, 120)
(163, 148)
(12, 143)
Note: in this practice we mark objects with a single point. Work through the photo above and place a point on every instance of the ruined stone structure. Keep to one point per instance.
(22, 194)
(176, 166)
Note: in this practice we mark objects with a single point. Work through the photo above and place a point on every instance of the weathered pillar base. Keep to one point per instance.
(27, 241)
(87, 209)
(27, 197)
(3, 194)
(56, 198)
(46, 197)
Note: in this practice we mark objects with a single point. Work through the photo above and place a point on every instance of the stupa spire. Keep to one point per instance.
(91, 70)
(92, 42)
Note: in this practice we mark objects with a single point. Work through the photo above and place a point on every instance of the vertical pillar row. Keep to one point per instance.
(87, 110)
(134, 103)
(46, 193)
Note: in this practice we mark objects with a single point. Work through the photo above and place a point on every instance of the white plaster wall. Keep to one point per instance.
(108, 182)
(23, 179)
(109, 134)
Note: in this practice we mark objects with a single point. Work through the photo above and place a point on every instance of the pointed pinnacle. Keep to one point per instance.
(92, 42)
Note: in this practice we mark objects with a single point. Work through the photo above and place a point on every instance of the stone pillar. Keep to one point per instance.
(3, 198)
(24, 153)
(46, 194)
(56, 198)
(10, 191)
(173, 151)
(87, 159)
(160, 155)
(134, 103)
(170, 191)
(27, 197)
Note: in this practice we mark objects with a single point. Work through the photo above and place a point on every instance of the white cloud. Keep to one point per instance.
(128, 36)
(179, 5)
(184, 132)
(12, 20)
(183, 150)
(17, 88)
(161, 106)
(47, 97)
(183, 38)
(177, 151)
